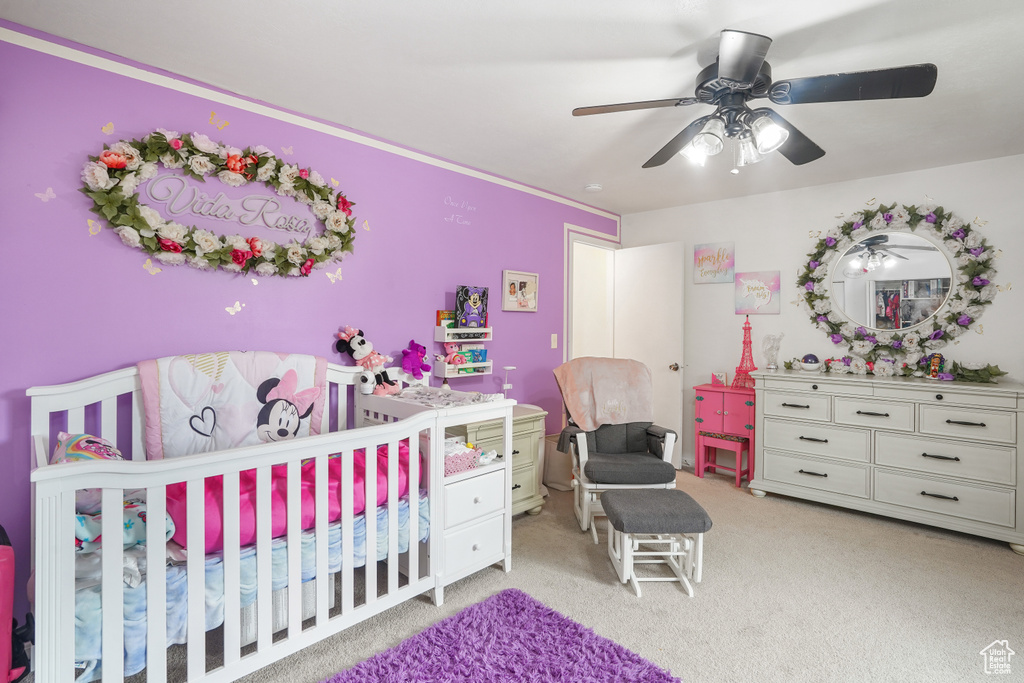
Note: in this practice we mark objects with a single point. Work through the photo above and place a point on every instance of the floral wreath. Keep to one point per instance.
(112, 180)
(973, 262)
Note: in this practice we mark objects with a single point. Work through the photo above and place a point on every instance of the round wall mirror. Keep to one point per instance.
(891, 281)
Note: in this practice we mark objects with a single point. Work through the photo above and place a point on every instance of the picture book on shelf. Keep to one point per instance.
(470, 306)
(446, 318)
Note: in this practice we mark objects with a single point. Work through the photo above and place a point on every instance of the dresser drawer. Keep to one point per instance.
(467, 548)
(819, 386)
(878, 414)
(823, 475)
(524, 484)
(986, 425)
(940, 395)
(472, 498)
(802, 406)
(836, 442)
(961, 459)
(523, 447)
(989, 505)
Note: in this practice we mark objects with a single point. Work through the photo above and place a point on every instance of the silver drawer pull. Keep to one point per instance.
(940, 457)
(816, 474)
(870, 414)
(939, 495)
(793, 405)
(811, 438)
(966, 424)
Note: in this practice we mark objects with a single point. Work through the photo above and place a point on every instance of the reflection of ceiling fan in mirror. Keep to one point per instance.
(740, 74)
(877, 252)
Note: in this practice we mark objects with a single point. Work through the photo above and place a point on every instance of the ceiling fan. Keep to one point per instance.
(741, 74)
(876, 252)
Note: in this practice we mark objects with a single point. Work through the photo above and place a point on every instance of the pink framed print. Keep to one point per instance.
(758, 293)
(713, 262)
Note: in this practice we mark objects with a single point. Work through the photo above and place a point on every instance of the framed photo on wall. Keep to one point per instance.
(519, 291)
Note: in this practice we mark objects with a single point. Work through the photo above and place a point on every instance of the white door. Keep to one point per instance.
(648, 324)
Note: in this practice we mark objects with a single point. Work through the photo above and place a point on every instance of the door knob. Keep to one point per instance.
(674, 367)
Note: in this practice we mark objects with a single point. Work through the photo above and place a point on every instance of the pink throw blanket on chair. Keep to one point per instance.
(600, 391)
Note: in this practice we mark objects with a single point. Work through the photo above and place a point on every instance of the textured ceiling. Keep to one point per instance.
(493, 85)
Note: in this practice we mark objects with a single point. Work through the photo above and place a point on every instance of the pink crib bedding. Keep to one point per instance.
(214, 498)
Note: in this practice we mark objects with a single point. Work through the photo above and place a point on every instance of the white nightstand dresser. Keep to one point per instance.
(940, 453)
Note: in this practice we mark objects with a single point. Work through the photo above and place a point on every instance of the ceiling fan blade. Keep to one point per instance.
(631, 106)
(917, 80)
(676, 143)
(798, 148)
(740, 56)
(890, 252)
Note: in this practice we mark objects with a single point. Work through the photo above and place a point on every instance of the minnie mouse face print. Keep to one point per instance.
(283, 407)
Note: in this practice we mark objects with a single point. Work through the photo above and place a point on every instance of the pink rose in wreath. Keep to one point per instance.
(307, 267)
(239, 257)
(169, 245)
(344, 205)
(256, 246)
(303, 173)
(235, 163)
(113, 159)
(175, 144)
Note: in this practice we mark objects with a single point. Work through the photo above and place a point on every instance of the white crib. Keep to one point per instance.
(110, 406)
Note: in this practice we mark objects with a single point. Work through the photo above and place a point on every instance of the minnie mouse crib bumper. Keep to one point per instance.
(257, 495)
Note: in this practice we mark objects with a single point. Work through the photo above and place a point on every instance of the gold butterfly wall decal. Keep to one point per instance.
(255, 282)
(814, 234)
(366, 225)
(335, 276)
(235, 309)
(980, 329)
(94, 226)
(1005, 288)
(220, 123)
(979, 222)
(148, 265)
(290, 149)
(334, 182)
(46, 196)
(871, 201)
(108, 129)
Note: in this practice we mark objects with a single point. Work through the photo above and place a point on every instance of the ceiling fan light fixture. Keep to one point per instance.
(746, 152)
(711, 138)
(693, 154)
(768, 135)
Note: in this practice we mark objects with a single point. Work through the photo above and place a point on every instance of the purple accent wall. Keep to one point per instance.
(76, 304)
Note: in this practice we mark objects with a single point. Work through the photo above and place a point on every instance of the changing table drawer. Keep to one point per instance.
(990, 505)
(800, 406)
(469, 547)
(815, 473)
(986, 425)
(819, 386)
(961, 459)
(472, 498)
(835, 442)
(875, 414)
(941, 395)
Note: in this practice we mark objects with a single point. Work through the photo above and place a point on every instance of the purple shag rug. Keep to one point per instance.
(507, 637)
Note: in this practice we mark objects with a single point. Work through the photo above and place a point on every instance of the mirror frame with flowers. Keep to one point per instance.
(884, 352)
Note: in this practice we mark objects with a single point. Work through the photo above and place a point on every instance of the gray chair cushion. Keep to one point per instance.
(625, 438)
(654, 511)
(628, 468)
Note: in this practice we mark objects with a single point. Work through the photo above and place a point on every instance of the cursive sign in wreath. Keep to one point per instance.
(972, 259)
(112, 180)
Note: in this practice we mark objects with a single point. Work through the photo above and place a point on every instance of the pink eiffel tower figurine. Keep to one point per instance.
(742, 379)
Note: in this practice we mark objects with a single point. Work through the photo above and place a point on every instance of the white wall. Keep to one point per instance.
(771, 232)
(591, 301)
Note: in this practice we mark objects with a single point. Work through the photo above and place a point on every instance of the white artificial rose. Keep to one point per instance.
(147, 171)
(337, 221)
(987, 293)
(883, 338)
(834, 232)
(954, 245)
(231, 267)
(840, 368)
(170, 258)
(333, 241)
(822, 306)
(316, 245)
(227, 151)
(973, 240)
(176, 232)
(265, 268)
(861, 347)
(971, 295)
(168, 134)
(878, 222)
(205, 144)
(843, 244)
(169, 161)
(286, 190)
(296, 254)
(150, 215)
(199, 262)
(205, 241)
(912, 358)
(132, 156)
(954, 330)
(828, 256)
(303, 198)
(262, 150)
(965, 259)
(96, 178)
(957, 306)
(962, 279)
(237, 242)
(231, 179)
(294, 272)
(820, 272)
(858, 366)
(129, 236)
(934, 344)
(911, 342)
(316, 179)
(820, 289)
(201, 165)
(847, 330)
(269, 249)
(900, 217)
(884, 369)
(951, 225)
(975, 311)
(266, 172)
(129, 184)
(289, 173)
(321, 209)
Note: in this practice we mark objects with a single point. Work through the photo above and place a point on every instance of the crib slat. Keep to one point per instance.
(113, 584)
(294, 548)
(393, 465)
(414, 508)
(232, 571)
(370, 514)
(264, 626)
(138, 433)
(76, 420)
(156, 584)
(108, 419)
(55, 586)
(323, 582)
(342, 408)
(347, 531)
(196, 529)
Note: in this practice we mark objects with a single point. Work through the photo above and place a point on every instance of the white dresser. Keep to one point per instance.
(940, 453)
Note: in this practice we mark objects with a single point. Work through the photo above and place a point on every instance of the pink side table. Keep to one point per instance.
(725, 419)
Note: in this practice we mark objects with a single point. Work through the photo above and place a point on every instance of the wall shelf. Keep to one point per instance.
(463, 334)
(442, 369)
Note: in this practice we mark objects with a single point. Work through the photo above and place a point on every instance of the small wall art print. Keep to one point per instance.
(519, 291)
(758, 293)
(470, 306)
(713, 262)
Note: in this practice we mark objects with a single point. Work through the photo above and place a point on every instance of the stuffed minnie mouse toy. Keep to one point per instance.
(374, 378)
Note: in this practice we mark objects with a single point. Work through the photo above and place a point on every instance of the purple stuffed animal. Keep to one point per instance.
(413, 359)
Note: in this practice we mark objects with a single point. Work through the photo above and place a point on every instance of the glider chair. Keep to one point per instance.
(611, 436)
